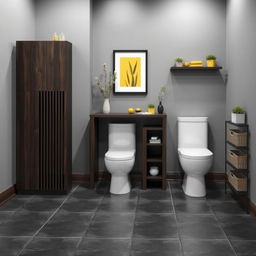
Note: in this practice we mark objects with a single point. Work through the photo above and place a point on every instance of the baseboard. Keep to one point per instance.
(80, 178)
(253, 209)
(7, 194)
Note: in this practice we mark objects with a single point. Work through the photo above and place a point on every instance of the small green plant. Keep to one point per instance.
(151, 105)
(105, 83)
(162, 93)
(238, 110)
(179, 59)
(211, 57)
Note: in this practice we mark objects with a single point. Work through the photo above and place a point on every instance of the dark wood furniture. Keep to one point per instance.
(245, 149)
(154, 155)
(195, 68)
(43, 122)
(158, 119)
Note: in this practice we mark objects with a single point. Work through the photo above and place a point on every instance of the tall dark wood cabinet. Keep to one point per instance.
(44, 116)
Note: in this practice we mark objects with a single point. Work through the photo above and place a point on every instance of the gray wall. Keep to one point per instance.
(167, 29)
(17, 23)
(73, 19)
(241, 55)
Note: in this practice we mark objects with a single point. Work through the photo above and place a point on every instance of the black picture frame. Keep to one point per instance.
(145, 91)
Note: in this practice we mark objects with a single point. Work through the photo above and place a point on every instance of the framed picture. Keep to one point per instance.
(131, 71)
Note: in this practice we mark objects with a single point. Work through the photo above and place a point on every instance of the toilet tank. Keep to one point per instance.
(121, 137)
(192, 132)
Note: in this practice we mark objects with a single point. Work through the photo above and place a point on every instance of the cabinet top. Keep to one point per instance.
(126, 115)
(45, 41)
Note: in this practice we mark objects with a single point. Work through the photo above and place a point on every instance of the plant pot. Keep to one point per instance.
(179, 64)
(160, 108)
(211, 63)
(151, 110)
(153, 171)
(238, 118)
(106, 106)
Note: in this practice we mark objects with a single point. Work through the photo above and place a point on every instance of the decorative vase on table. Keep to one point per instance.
(160, 108)
(106, 106)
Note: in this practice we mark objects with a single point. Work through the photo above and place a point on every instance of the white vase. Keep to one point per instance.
(238, 118)
(106, 106)
(154, 171)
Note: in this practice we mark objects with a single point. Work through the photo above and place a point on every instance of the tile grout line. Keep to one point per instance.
(91, 219)
(46, 222)
(135, 214)
(175, 216)
(219, 224)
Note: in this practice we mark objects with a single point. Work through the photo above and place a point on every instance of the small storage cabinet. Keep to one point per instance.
(236, 158)
(154, 155)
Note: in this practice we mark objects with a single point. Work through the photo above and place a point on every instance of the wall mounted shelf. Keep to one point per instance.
(195, 68)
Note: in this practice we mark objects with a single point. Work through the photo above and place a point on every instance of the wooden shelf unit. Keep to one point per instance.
(154, 155)
(244, 127)
(195, 68)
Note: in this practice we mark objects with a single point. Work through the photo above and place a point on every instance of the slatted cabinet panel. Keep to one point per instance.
(44, 98)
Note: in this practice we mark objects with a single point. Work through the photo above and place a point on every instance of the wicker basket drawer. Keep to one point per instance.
(237, 137)
(237, 158)
(238, 180)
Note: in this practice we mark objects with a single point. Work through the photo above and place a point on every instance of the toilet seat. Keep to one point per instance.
(195, 153)
(119, 155)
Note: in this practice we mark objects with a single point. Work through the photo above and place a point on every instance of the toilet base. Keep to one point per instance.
(120, 185)
(194, 186)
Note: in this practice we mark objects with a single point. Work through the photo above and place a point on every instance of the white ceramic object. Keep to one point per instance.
(179, 64)
(195, 158)
(238, 118)
(154, 170)
(120, 157)
(106, 106)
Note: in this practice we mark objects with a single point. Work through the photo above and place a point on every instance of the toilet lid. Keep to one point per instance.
(119, 155)
(195, 153)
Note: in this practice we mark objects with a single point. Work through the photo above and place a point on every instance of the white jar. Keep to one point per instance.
(154, 170)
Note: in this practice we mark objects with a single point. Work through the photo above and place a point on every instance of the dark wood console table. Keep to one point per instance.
(157, 120)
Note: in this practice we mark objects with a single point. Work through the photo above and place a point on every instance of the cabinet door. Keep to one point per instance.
(27, 132)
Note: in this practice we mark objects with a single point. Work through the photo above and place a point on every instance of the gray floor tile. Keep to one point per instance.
(14, 204)
(244, 248)
(192, 206)
(155, 194)
(82, 192)
(149, 206)
(132, 196)
(238, 227)
(158, 226)
(199, 227)
(117, 205)
(66, 224)
(149, 247)
(51, 246)
(42, 204)
(104, 247)
(23, 223)
(207, 248)
(81, 205)
(111, 225)
(227, 207)
(12, 246)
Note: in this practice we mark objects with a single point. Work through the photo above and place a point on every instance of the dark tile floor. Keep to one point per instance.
(142, 223)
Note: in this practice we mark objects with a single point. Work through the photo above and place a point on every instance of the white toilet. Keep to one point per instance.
(120, 156)
(194, 155)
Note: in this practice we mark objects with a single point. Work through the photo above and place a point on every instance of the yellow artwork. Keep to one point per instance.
(130, 72)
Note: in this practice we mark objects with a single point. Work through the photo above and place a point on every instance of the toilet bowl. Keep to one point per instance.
(194, 156)
(120, 157)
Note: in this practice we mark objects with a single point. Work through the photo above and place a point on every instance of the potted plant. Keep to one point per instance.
(179, 62)
(238, 115)
(105, 84)
(211, 61)
(151, 108)
(161, 95)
